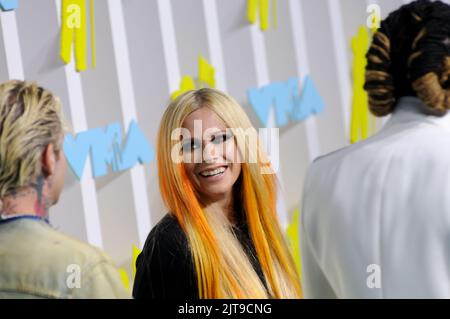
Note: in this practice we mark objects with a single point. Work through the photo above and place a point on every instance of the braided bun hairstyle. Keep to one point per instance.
(410, 56)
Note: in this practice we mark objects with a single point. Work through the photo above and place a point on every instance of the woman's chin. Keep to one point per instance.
(217, 193)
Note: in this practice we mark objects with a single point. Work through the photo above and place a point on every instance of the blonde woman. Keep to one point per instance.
(221, 237)
(38, 261)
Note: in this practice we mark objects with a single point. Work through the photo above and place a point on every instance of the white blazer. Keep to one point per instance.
(375, 221)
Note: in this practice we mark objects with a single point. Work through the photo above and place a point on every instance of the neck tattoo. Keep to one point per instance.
(41, 204)
(12, 205)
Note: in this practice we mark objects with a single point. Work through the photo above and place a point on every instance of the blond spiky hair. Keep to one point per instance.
(30, 120)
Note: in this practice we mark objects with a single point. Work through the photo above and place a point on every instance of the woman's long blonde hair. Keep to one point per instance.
(222, 267)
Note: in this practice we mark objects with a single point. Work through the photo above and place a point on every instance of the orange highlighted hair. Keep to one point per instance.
(222, 267)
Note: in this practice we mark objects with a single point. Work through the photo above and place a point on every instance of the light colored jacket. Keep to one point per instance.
(376, 215)
(36, 261)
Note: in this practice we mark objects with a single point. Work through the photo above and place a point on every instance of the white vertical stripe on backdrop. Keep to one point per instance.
(12, 45)
(262, 78)
(214, 42)
(79, 123)
(169, 44)
(129, 113)
(341, 46)
(302, 60)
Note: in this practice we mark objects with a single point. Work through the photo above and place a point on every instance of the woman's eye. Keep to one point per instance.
(190, 146)
(221, 138)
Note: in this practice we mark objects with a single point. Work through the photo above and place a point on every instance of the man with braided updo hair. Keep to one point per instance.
(410, 56)
(376, 215)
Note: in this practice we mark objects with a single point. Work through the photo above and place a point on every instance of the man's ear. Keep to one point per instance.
(48, 160)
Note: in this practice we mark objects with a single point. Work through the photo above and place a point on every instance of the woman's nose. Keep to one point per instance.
(210, 154)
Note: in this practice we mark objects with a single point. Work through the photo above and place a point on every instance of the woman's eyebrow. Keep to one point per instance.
(220, 132)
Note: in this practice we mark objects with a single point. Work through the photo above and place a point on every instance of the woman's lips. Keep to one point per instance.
(213, 174)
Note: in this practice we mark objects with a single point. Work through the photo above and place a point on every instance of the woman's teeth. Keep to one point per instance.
(214, 172)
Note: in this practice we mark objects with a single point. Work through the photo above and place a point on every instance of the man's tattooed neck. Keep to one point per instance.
(30, 200)
(41, 205)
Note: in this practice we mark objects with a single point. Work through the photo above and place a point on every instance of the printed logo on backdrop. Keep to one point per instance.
(261, 9)
(8, 5)
(107, 150)
(74, 21)
(288, 101)
(362, 122)
(206, 77)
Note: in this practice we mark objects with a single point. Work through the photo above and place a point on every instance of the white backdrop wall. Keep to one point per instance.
(143, 49)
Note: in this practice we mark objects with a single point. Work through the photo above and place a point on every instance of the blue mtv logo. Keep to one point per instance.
(287, 100)
(7, 5)
(106, 149)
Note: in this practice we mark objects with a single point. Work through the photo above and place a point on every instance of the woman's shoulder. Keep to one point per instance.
(165, 268)
(168, 226)
(168, 223)
(167, 235)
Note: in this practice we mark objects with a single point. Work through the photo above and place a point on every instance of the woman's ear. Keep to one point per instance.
(48, 160)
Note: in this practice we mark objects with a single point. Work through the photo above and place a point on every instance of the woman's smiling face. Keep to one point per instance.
(211, 157)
